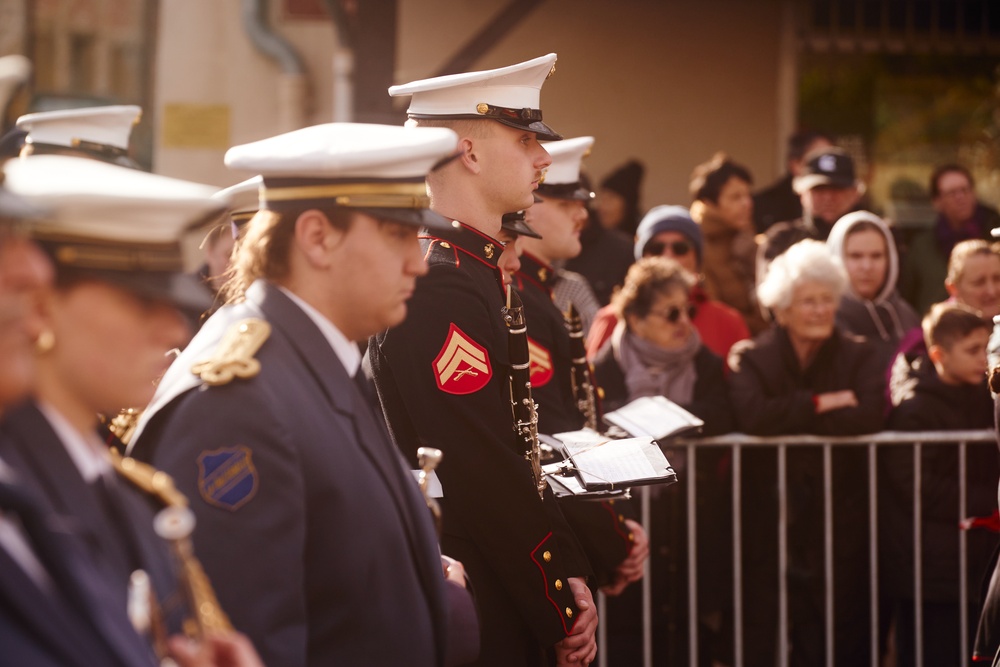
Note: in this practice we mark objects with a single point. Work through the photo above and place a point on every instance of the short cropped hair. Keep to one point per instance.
(646, 279)
(947, 169)
(475, 128)
(961, 253)
(806, 261)
(948, 322)
(708, 178)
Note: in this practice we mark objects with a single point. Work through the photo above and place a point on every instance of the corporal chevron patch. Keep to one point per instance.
(540, 361)
(462, 366)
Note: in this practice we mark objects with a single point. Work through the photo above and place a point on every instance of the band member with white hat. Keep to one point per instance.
(105, 325)
(100, 133)
(443, 375)
(311, 527)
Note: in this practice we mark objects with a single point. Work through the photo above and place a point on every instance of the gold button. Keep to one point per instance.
(547, 556)
(445, 244)
(631, 537)
(569, 613)
(621, 517)
(558, 584)
(600, 392)
(482, 107)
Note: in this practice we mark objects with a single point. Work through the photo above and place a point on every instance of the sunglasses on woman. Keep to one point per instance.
(677, 248)
(673, 314)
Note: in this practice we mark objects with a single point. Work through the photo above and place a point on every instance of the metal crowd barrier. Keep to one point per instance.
(737, 443)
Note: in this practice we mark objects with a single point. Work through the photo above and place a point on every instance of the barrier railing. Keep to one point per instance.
(738, 445)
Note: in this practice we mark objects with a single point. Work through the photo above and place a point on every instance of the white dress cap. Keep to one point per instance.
(510, 95)
(244, 201)
(100, 202)
(242, 197)
(14, 70)
(345, 151)
(117, 224)
(562, 178)
(380, 168)
(109, 126)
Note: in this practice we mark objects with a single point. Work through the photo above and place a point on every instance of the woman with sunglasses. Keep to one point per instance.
(655, 350)
(669, 231)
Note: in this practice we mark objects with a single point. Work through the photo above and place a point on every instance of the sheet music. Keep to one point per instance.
(653, 416)
(615, 462)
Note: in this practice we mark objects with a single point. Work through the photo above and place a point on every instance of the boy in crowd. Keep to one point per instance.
(942, 390)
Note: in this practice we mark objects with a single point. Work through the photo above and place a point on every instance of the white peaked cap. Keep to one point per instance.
(340, 151)
(566, 158)
(117, 224)
(244, 196)
(379, 168)
(105, 126)
(105, 203)
(14, 70)
(510, 95)
(562, 178)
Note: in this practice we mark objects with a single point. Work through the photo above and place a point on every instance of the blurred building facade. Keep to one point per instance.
(903, 84)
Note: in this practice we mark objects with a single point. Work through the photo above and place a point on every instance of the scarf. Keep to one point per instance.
(652, 371)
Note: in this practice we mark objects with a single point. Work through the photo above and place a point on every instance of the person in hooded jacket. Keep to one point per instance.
(871, 306)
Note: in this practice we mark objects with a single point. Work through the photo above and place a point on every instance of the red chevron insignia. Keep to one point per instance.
(540, 363)
(462, 366)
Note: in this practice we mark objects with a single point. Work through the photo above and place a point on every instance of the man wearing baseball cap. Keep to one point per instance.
(829, 188)
(443, 376)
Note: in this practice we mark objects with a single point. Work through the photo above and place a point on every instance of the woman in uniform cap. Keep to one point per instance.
(107, 323)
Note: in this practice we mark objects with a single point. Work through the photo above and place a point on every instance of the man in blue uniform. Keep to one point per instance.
(310, 526)
(443, 375)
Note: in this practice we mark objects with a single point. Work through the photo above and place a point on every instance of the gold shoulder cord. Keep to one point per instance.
(234, 356)
(175, 523)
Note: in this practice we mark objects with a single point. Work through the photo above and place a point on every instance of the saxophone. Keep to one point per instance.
(582, 377)
(525, 411)
(175, 523)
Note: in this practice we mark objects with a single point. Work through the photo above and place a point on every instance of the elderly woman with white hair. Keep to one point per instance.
(803, 375)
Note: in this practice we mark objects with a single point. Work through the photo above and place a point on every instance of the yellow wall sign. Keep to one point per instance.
(196, 126)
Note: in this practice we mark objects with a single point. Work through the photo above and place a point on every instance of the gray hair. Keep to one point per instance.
(806, 261)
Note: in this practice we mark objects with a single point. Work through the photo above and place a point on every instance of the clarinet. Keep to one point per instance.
(522, 405)
(582, 375)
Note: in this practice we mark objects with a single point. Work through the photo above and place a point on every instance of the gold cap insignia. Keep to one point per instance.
(234, 357)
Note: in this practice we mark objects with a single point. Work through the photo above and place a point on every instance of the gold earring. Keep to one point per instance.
(45, 342)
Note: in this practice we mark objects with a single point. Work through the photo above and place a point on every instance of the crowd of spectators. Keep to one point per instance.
(806, 318)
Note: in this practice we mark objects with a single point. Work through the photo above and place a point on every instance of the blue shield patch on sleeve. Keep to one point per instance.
(227, 477)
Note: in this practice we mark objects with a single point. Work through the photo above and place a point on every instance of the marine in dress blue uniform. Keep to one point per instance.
(443, 381)
(310, 525)
(600, 526)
